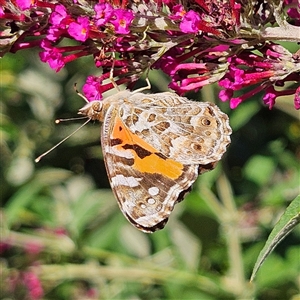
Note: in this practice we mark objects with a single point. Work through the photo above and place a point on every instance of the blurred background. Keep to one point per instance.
(64, 237)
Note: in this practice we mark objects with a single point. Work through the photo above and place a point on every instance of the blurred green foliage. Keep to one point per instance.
(60, 220)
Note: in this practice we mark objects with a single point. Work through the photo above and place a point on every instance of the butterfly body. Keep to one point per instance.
(154, 147)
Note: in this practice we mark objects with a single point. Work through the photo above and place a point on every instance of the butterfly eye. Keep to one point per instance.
(97, 106)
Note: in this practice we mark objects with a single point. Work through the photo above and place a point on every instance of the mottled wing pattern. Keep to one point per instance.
(154, 147)
(188, 131)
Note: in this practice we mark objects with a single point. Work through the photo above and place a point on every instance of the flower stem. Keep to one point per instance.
(286, 32)
(229, 220)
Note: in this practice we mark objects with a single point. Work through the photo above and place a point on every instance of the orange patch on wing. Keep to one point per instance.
(148, 164)
(121, 132)
(155, 164)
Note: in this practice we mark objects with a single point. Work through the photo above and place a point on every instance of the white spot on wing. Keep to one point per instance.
(127, 181)
(123, 153)
(151, 201)
(153, 191)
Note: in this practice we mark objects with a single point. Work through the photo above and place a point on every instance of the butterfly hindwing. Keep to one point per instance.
(146, 184)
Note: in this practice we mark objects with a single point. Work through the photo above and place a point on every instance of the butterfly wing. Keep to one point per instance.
(187, 131)
(146, 183)
(154, 147)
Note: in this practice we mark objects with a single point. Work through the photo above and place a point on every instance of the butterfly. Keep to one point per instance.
(154, 147)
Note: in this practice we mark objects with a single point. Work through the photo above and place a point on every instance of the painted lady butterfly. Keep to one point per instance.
(154, 147)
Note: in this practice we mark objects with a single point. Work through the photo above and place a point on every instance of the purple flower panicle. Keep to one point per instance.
(272, 68)
(195, 44)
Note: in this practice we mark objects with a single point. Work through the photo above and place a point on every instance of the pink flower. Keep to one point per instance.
(33, 248)
(270, 96)
(59, 20)
(194, 44)
(25, 4)
(2, 14)
(193, 23)
(178, 12)
(122, 20)
(189, 83)
(190, 22)
(92, 88)
(33, 285)
(273, 67)
(104, 12)
(225, 95)
(79, 30)
(293, 10)
(58, 15)
(54, 59)
(51, 56)
(235, 102)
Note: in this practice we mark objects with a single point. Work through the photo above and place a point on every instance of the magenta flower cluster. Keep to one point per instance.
(23, 285)
(195, 44)
(250, 69)
(80, 29)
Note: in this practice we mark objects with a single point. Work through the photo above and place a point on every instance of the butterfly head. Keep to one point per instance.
(93, 110)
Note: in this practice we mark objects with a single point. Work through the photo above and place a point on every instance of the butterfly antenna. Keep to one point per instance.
(45, 153)
(57, 121)
(79, 94)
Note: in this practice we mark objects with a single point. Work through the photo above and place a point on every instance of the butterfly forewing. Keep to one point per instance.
(188, 131)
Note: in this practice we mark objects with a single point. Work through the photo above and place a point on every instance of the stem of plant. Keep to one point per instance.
(229, 222)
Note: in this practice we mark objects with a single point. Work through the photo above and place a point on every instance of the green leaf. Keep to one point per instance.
(284, 226)
(259, 169)
(30, 192)
(88, 206)
(20, 200)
